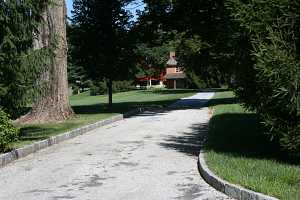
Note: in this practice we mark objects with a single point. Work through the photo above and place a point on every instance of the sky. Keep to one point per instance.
(69, 7)
(137, 5)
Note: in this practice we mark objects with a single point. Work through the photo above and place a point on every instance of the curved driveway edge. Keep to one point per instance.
(233, 191)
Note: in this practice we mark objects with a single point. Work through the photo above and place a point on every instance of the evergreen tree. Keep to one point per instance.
(77, 74)
(78, 78)
(19, 63)
(102, 42)
(269, 84)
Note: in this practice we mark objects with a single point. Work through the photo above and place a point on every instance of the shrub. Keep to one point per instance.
(8, 133)
(278, 95)
(93, 90)
(75, 90)
(195, 81)
(122, 86)
(99, 88)
(270, 82)
(158, 90)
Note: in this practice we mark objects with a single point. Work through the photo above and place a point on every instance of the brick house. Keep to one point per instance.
(173, 77)
(151, 81)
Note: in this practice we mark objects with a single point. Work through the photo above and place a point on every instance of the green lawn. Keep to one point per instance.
(90, 109)
(240, 152)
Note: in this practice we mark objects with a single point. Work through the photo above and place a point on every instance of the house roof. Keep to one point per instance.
(172, 62)
(175, 76)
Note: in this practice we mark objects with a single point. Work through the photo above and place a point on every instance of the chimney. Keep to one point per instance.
(172, 54)
(172, 61)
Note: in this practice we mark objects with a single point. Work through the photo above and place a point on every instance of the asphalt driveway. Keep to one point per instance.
(152, 156)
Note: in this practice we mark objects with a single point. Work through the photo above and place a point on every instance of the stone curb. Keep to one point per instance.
(16, 154)
(229, 189)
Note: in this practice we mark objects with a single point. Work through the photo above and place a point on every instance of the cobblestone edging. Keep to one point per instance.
(36, 146)
(229, 189)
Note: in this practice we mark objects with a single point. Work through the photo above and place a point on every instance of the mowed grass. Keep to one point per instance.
(240, 152)
(90, 109)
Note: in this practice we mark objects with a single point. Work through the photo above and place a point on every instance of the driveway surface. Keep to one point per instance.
(152, 156)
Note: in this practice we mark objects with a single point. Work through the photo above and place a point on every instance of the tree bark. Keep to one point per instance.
(53, 104)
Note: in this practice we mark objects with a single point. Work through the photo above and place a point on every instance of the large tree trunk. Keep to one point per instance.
(52, 105)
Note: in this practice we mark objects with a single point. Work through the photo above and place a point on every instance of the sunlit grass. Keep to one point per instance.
(90, 109)
(240, 152)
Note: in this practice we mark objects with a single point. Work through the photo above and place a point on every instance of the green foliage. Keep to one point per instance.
(8, 133)
(123, 86)
(200, 32)
(101, 40)
(156, 56)
(78, 78)
(189, 52)
(19, 63)
(273, 86)
(152, 60)
(100, 87)
(194, 81)
(75, 90)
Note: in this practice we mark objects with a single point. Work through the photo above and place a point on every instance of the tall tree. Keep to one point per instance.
(103, 45)
(52, 104)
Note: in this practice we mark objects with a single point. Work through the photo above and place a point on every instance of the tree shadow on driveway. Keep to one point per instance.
(234, 133)
(237, 134)
(188, 143)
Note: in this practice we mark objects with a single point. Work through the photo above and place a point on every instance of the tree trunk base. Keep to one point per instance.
(49, 115)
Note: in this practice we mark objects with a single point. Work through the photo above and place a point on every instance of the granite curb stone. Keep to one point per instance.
(233, 191)
(22, 152)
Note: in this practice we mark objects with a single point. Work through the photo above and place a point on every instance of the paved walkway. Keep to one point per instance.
(152, 156)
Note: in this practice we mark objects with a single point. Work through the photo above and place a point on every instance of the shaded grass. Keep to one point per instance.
(37, 132)
(240, 152)
(90, 109)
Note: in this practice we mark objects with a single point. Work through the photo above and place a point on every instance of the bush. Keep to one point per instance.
(93, 90)
(157, 90)
(8, 133)
(278, 95)
(75, 90)
(100, 88)
(195, 81)
(270, 82)
(122, 86)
